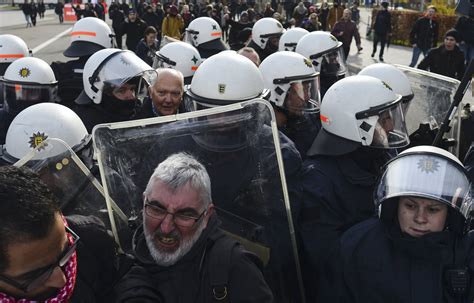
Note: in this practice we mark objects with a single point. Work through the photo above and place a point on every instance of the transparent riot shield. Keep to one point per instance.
(433, 96)
(78, 191)
(240, 148)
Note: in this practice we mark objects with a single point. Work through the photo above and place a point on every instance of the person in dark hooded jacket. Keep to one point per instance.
(181, 254)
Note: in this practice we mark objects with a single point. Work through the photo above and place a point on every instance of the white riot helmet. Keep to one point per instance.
(394, 77)
(88, 36)
(426, 172)
(28, 81)
(11, 49)
(204, 32)
(180, 56)
(325, 51)
(224, 79)
(109, 69)
(290, 38)
(264, 29)
(39, 122)
(292, 82)
(360, 111)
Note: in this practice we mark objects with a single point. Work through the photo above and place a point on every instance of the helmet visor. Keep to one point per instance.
(191, 37)
(331, 63)
(426, 176)
(160, 61)
(303, 97)
(18, 96)
(134, 88)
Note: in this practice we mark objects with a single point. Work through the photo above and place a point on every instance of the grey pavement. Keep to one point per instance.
(13, 18)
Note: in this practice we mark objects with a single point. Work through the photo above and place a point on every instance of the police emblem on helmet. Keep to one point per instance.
(24, 72)
(428, 165)
(333, 38)
(221, 88)
(36, 139)
(308, 63)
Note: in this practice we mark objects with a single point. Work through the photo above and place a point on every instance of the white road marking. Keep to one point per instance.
(50, 41)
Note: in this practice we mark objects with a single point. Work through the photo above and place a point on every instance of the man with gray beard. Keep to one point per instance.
(181, 254)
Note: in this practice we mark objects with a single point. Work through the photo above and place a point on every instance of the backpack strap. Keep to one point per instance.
(220, 255)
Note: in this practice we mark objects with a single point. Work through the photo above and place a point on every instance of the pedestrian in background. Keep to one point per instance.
(424, 34)
(34, 12)
(59, 11)
(344, 30)
(382, 28)
(26, 8)
(41, 9)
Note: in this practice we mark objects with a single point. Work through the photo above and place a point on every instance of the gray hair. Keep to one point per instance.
(180, 169)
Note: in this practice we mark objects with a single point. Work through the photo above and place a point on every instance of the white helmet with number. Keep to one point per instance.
(360, 111)
(224, 79)
(28, 81)
(108, 69)
(394, 77)
(11, 49)
(39, 122)
(264, 29)
(426, 172)
(292, 82)
(325, 51)
(290, 38)
(204, 32)
(88, 36)
(180, 56)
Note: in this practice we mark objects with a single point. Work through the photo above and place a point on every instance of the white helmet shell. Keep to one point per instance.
(264, 29)
(12, 48)
(39, 122)
(226, 78)
(180, 56)
(315, 44)
(391, 75)
(202, 30)
(111, 65)
(366, 111)
(31, 70)
(88, 36)
(290, 38)
(281, 69)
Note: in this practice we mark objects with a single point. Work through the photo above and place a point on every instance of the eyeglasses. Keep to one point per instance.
(42, 275)
(183, 218)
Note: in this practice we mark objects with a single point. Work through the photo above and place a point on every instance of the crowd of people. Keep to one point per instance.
(237, 159)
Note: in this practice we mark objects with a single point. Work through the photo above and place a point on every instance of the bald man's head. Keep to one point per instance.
(167, 91)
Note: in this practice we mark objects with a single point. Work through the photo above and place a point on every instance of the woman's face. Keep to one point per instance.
(420, 216)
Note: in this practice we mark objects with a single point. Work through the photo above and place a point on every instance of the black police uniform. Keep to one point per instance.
(378, 263)
(69, 77)
(192, 278)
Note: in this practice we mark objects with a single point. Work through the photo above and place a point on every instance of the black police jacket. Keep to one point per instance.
(378, 263)
(97, 261)
(189, 279)
(69, 76)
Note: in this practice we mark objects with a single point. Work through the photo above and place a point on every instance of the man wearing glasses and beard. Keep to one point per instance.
(182, 255)
(42, 256)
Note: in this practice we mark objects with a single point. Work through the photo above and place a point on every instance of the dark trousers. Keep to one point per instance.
(382, 38)
(118, 37)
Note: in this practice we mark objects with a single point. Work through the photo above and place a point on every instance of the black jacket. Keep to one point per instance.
(189, 279)
(378, 263)
(383, 22)
(465, 27)
(69, 76)
(424, 33)
(97, 261)
(444, 62)
(134, 31)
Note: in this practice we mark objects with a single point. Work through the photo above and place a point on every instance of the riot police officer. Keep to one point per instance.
(205, 34)
(115, 83)
(293, 90)
(290, 38)
(27, 81)
(327, 55)
(266, 35)
(361, 119)
(88, 36)
(418, 249)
